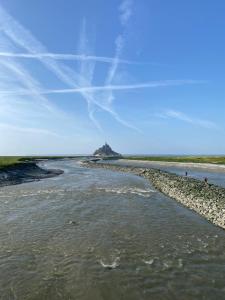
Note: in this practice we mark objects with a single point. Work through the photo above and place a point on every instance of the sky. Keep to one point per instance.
(147, 76)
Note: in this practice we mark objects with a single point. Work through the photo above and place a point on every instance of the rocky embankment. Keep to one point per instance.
(206, 199)
(24, 172)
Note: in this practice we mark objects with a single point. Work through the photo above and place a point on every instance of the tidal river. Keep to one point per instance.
(96, 234)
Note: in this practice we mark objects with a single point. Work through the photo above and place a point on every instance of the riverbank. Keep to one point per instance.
(24, 172)
(207, 200)
(196, 165)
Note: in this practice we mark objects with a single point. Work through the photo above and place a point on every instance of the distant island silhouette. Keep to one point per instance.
(106, 151)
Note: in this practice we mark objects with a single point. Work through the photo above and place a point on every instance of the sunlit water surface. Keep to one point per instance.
(97, 234)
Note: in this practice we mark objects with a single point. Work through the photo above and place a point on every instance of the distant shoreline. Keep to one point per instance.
(200, 159)
(197, 165)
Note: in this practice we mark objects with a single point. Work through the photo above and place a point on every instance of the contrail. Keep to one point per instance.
(32, 85)
(61, 56)
(77, 82)
(125, 13)
(153, 84)
(23, 38)
(87, 72)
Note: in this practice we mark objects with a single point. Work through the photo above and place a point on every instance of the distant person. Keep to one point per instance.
(206, 180)
(186, 173)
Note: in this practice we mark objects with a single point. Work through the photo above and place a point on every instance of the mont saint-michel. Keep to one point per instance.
(106, 151)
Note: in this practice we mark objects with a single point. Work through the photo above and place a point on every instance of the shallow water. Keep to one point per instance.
(215, 177)
(96, 234)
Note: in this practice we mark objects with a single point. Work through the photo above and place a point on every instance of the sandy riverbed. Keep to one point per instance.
(203, 166)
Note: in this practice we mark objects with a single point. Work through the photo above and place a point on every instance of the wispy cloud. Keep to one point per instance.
(31, 130)
(17, 39)
(32, 114)
(87, 72)
(125, 11)
(112, 71)
(25, 79)
(21, 109)
(174, 114)
(24, 39)
(92, 88)
(61, 56)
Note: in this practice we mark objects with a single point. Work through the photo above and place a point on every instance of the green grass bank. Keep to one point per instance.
(7, 161)
(183, 159)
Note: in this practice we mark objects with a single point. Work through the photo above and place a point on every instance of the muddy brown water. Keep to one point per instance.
(97, 234)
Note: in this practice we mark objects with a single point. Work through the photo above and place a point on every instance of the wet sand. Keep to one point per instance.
(203, 166)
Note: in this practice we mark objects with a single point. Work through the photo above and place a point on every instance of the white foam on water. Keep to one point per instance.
(149, 262)
(167, 265)
(112, 265)
(43, 192)
(128, 190)
(180, 263)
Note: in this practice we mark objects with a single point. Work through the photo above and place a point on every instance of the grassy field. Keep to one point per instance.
(6, 161)
(9, 160)
(185, 159)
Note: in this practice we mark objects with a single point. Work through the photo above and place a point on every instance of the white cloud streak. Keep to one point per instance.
(87, 89)
(108, 97)
(24, 78)
(96, 97)
(87, 72)
(31, 130)
(20, 114)
(112, 71)
(125, 11)
(174, 114)
(24, 39)
(58, 56)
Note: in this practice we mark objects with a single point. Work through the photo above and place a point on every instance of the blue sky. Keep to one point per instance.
(146, 76)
